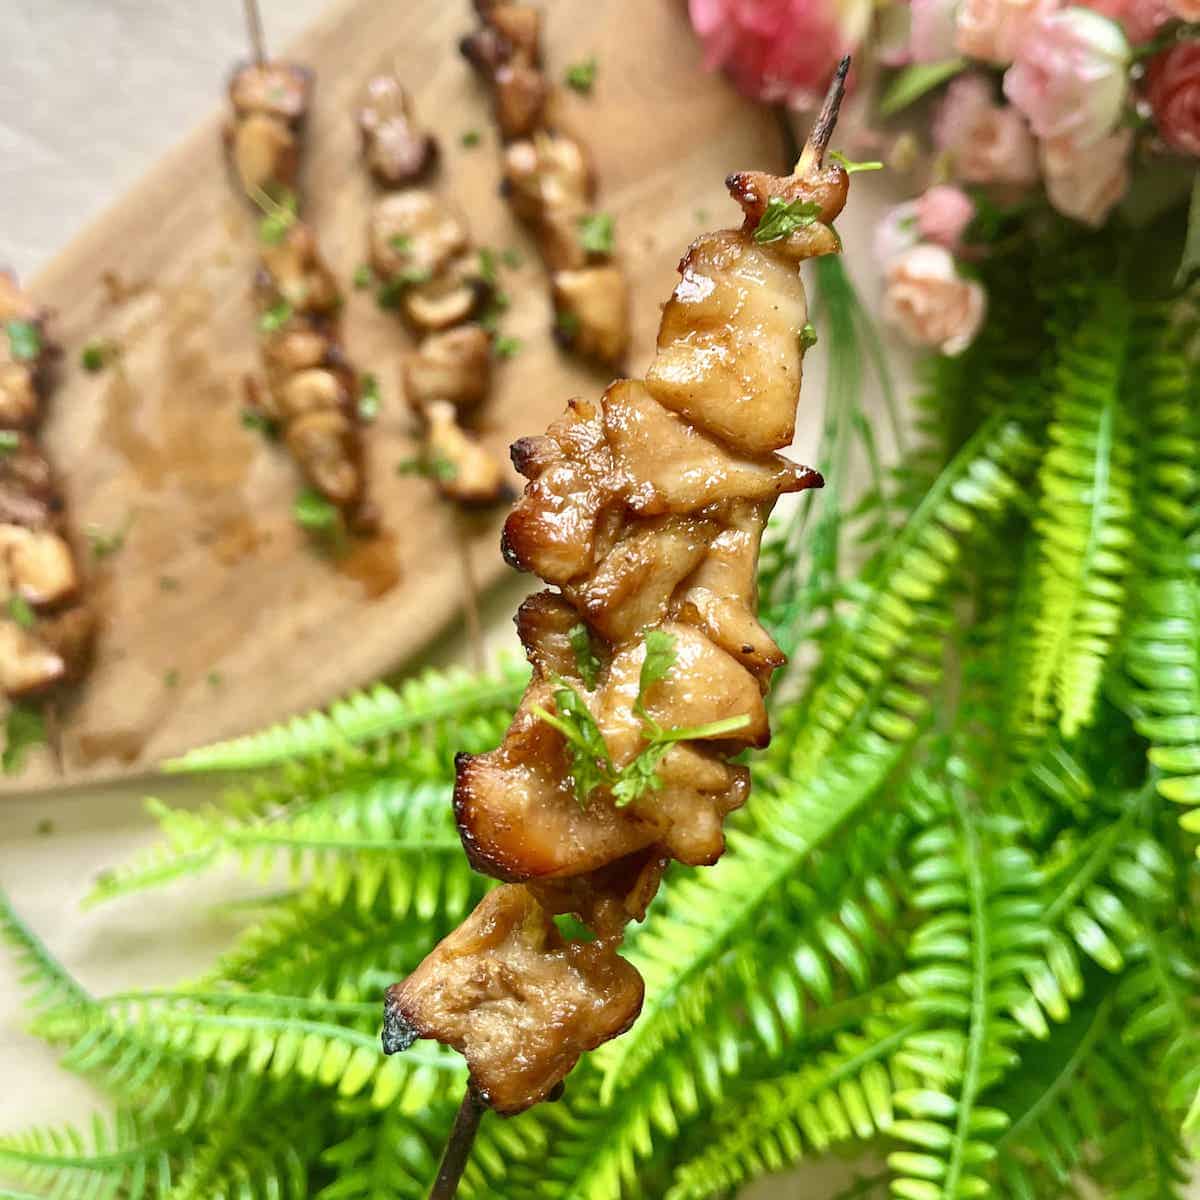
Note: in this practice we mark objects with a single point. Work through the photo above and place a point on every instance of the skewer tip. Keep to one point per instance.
(813, 155)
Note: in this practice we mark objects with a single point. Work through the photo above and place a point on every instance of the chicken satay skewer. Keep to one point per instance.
(254, 27)
(458, 995)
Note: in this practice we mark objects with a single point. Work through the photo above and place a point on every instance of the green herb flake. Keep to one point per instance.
(581, 76)
(20, 611)
(314, 512)
(363, 277)
(660, 658)
(507, 347)
(214, 679)
(586, 661)
(400, 242)
(567, 324)
(851, 167)
(10, 441)
(96, 355)
(106, 542)
(487, 265)
(24, 340)
(591, 767)
(280, 217)
(44, 828)
(497, 306)
(168, 583)
(260, 422)
(596, 232)
(808, 336)
(23, 729)
(513, 258)
(276, 317)
(368, 399)
(437, 468)
(171, 678)
(471, 137)
(783, 218)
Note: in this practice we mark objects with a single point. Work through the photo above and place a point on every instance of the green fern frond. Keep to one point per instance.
(1085, 518)
(844, 1093)
(435, 696)
(47, 982)
(130, 1159)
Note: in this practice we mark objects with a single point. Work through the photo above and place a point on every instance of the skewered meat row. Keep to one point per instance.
(645, 512)
(46, 627)
(421, 251)
(550, 183)
(312, 390)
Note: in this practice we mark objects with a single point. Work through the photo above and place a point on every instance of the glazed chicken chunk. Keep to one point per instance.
(505, 50)
(645, 512)
(270, 102)
(396, 151)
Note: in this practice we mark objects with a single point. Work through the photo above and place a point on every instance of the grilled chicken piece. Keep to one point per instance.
(505, 51)
(36, 565)
(270, 102)
(646, 510)
(23, 369)
(324, 444)
(591, 312)
(396, 151)
(455, 367)
(452, 296)
(550, 184)
(464, 471)
(414, 233)
(295, 273)
(28, 496)
(518, 999)
(28, 666)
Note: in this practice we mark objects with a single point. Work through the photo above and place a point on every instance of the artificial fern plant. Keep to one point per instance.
(956, 928)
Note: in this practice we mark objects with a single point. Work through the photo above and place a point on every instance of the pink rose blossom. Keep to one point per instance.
(930, 303)
(931, 38)
(1173, 89)
(990, 143)
(994, 29)
(1141, 19)
(1069, 77)
(1085, 183)
(943, 214)
(1185, 10)
(778, 50)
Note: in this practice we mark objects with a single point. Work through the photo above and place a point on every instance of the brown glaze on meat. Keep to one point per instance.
(645, 510)
(550, 184)
(420, 250)
(312, 391)
(46, 628)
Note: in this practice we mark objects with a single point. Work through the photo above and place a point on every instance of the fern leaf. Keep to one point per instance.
(47, 981)
(366, 716)
(1086, 513)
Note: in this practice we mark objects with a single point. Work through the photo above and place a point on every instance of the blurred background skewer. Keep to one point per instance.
(254, 27)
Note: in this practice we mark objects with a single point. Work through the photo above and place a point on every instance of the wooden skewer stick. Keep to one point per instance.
(458, 1147)
(254, 27)
(813, 155)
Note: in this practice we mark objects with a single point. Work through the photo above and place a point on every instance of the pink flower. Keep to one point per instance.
(1141, 19)
(930, 303)
(779, 50)
(943, 214)
(1173, 89)
(994, 29)
(1069, 77)
(990, 143)
(1085, 183)
(931, 38)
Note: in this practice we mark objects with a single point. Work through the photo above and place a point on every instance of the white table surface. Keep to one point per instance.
(93, 91)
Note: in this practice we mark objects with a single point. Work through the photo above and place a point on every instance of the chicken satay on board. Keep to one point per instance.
(312, 391)
(550, 184)
(644, 512)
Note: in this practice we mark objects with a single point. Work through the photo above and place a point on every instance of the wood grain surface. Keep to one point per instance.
(217, 617)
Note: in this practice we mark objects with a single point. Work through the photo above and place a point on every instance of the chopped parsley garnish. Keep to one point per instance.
(96, 355)
(470, 137)
(276, 317)
(497, 305)
(368, 399)
(171, 678)
(596, 233)
(487, 264)
(567, 323)
(782, 218)
(400, 242)
(389, 293)
(24, 340)
(106, 542)
(438, 468)
(586, 661)
(512, 258)
(363, 277)
(19, 611)
(260, 422)
(9, 441)
(591, 764)
(168, 583)
(581, 76)
(215, 679)
(24, 728)
(851, 167)
(314, 513)
(808, 336)
(507, 347)
(280, 217)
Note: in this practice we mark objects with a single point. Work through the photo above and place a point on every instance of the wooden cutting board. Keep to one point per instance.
(217, 617)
